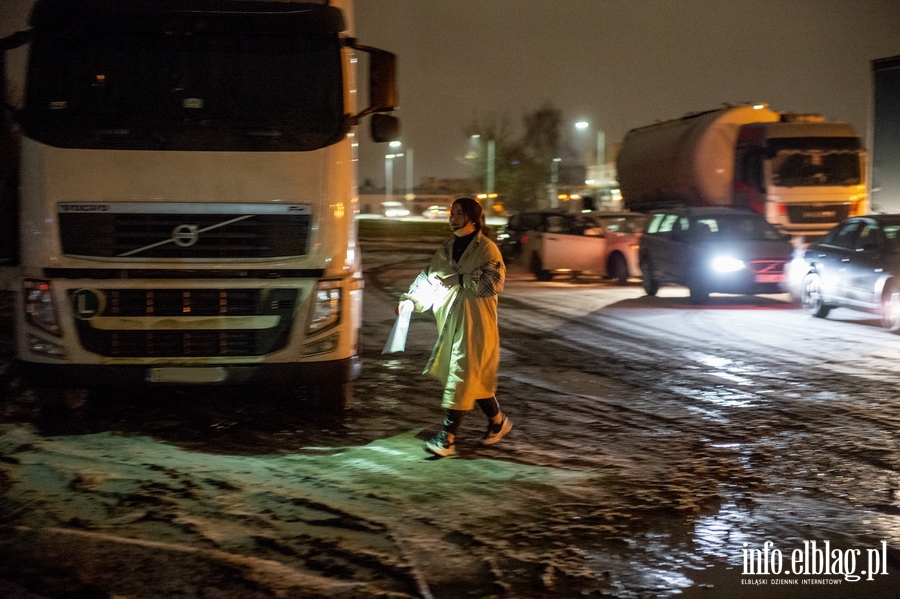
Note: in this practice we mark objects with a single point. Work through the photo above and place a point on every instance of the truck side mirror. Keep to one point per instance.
(382, 80)
(382, 93)
(384, 128)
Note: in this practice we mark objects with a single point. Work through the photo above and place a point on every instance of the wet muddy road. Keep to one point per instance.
(657, 448)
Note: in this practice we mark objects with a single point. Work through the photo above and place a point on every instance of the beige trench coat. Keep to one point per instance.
(466, 356)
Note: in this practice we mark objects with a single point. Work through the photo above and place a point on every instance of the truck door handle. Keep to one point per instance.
(845, 259)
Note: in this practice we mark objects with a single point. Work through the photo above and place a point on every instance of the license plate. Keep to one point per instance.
(770, 278)
(186, 375)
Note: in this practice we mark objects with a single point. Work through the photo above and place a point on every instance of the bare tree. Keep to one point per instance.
(521, 166)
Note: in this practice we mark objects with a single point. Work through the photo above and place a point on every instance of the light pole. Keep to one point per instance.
(410, 194)
(489, 165)
(601, 144)
(491, 149)
(389, 172)
(554, 181)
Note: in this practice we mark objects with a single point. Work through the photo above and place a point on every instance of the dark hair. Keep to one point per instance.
(474, 212)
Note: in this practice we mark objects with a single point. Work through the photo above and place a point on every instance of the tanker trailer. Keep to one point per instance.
(804, 174)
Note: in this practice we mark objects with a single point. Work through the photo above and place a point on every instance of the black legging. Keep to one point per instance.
(453, 418)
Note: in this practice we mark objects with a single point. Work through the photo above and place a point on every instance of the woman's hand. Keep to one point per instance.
(400, 307)
(449, 282)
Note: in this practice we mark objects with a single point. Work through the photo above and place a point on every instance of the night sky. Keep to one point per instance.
(618, 64)
(615, 63)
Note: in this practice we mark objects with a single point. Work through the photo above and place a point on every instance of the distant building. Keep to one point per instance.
(432, 191)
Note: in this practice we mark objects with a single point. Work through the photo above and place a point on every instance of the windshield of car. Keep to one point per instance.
(630, 224)
(734, 227)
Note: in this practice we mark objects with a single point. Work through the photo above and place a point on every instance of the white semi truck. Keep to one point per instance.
(803, 173)
(180, 180)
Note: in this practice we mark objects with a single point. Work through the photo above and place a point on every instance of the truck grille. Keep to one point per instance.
(183, 231)
(175, 338)
(812, 214)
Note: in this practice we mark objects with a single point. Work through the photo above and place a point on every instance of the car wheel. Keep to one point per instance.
(618, 269)
(811, 296)
(699, 293)
(890, 307)
(537, 268)
(651, 285)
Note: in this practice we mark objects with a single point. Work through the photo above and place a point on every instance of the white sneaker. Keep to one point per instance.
(495, 432)
(441, 445)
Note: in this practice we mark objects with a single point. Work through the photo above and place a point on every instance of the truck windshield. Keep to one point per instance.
(144, 78)
(805, 162)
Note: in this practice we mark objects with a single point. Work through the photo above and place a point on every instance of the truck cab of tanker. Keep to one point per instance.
(802, 173)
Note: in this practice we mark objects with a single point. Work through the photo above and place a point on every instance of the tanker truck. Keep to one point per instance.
(803, 173)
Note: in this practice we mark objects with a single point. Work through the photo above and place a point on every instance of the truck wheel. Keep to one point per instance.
(890, 307)
(331, 397)
(618, 269)
(537, 268)
(62, 407)
(811, 296)
(651, 285)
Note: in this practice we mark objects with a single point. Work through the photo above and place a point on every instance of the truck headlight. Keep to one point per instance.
(326, 309)
(727, 264)
(39, 308)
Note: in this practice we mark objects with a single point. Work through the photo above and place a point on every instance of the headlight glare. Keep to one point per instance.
(727, 264)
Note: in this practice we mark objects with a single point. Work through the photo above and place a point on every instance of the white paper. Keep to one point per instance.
(396, 341)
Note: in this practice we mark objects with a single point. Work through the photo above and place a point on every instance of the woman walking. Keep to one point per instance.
(461, 285)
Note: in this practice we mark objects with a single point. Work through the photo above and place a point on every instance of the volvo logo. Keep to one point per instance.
(185, 235)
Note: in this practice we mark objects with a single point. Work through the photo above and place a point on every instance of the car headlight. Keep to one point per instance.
(727, 264)
(326, 306)
(39, 308)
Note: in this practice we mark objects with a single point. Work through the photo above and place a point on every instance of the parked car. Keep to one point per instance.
(518, 226)
(856, 265)
(432, 212)
(710, 250)
(394, 209)
(553, 242)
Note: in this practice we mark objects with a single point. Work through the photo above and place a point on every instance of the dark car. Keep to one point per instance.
(713, 250)
(856, 265)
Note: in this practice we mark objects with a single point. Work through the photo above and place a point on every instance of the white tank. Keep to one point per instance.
(685, 161)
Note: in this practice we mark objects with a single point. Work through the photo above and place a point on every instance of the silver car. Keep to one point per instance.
(601, 243)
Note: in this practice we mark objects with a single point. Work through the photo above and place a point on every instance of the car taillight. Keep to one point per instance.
(524, 239)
